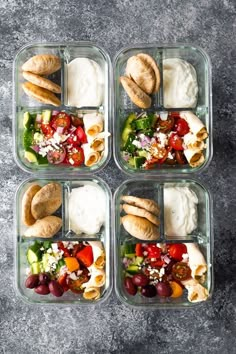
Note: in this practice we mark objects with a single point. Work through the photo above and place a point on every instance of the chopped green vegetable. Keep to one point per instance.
(127, 129)
(129, 146)
(46, 116)
(132, 269)
(139, 161)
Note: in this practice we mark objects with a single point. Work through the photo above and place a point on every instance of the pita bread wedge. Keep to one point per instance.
(133, 210)
(47, 200)
(140, 228)
(40, 94)
(142, 73)
(41, 81)
(27, 217)
(148, 60)
(135, 93)
(43, 64)
(148, 204)
(46, 227)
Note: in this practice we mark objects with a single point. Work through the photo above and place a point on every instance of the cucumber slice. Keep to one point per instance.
(28, 121)
(35, 268)
(138, 260)
(46, 116)
(129, 249)
(34, 254)
(132, 269)
(139, 161)
(127, 129)
(28, 139)
(31, 156)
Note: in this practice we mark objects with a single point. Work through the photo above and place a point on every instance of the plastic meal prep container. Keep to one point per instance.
(65, 234)
(123, 105)
(23, 103)
(153, 188)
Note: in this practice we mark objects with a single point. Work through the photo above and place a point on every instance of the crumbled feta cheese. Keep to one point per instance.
(162, 139)
(185, 257)
(162, 272)
(65, 243)
(170, 156)
(71, 161)
(73, 276)
(54, 247)
(41, 248)
(163, 115)
(49, 250)
(145, 253)
(137, 144)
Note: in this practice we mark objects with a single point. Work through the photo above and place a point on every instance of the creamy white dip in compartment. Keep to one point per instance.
(85, 83)
(87, 209)
(179, 83)
(180, 211)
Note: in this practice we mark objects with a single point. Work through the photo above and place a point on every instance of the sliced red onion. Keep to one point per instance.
(147, 139)
(166, 259)
(143, 143)
(60, 130)
(38, 118)
(35, 148)
(54, 113)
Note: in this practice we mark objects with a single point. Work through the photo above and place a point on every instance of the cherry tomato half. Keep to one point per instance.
(181, 126)
(153, 251)
(76, 156)
(176, 142)
(73, 140)
(181, 271)
(176, 251)
(47, 130)
(81, 135)
(166, 125)
(75, 285)
(56, 156)
(61, 120)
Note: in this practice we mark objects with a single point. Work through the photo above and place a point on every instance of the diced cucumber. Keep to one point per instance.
(139, 161)
(129, 248)
(35, 267)
(28, 139)
(143, 153)
(38, 137)
(127, 129)
(60, 264)
(34, 254)
(138, 260)
(132, 269)
(46, 116)
(42, 160)
(130, 255)
(47, 244)
(31, 156)
(28, 120)
(45, 261)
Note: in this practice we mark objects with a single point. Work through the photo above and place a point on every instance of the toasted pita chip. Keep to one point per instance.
(47, 200)
(42, 64)
(40, 94)
(133, 210)
(150, 61)
(41, 81)
(27, 216)
(135, 93)
(140, 228)
(46, 227)
(148, 204)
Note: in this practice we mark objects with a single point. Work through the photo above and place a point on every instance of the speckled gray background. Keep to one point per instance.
(115, 328)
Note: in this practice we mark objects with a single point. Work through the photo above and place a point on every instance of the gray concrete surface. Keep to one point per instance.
(114, 328)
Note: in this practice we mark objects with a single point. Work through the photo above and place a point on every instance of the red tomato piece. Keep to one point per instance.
(181, 126)
(73, 140)
(139, 250)
(61, 120)
(153, 251)
(176, 142)
(76, 156)
(175, 115)
(47, 130)
(181, 271)
(176, 251)
(56, 156)
(157, 264)
(81, 135)
(166, 125)
(64, 249)
(75, 285)
(85, 256)
(62, 281)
